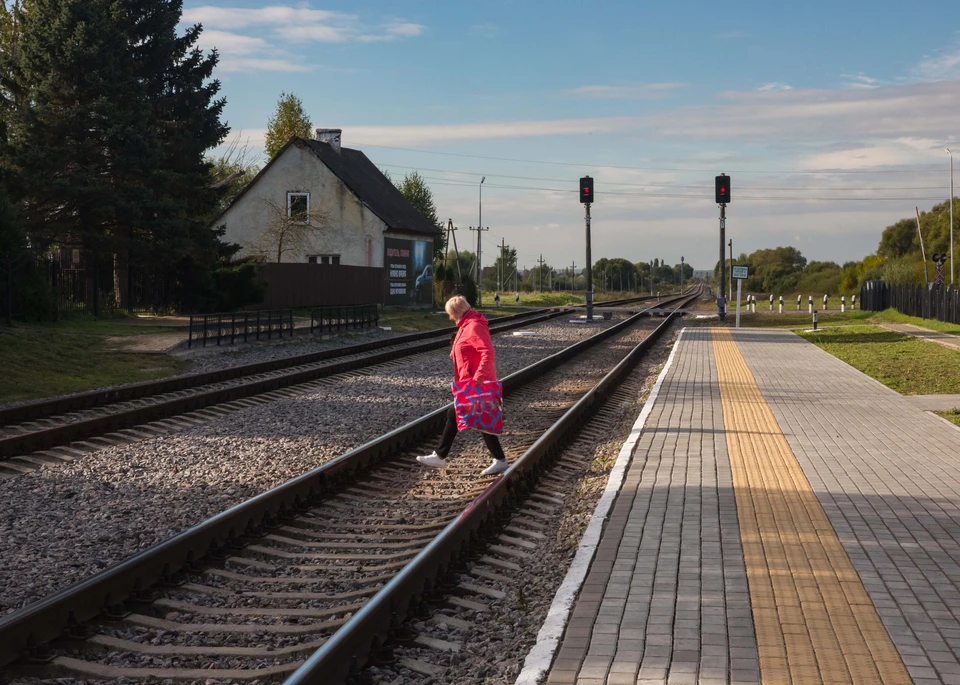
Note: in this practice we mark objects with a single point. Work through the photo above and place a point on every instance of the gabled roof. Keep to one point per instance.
(366, 181)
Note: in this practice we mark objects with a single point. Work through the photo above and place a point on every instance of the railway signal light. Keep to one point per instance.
(723, 189)
(586, 190)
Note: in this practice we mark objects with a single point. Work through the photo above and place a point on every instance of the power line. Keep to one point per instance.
(655, 184)
(581, 165)
(687, 196)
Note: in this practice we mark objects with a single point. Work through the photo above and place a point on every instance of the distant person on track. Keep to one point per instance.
(473, 359)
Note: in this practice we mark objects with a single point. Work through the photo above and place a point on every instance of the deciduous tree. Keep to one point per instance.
(288, 119)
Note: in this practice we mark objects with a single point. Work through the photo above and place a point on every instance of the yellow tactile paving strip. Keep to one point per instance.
(814, 620)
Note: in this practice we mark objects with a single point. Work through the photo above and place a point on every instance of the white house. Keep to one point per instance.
(320, 203)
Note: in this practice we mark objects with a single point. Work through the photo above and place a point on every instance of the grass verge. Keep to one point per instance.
(794, 319)
(73, 355)
(953, 416)
(893, 316)
(908, 365)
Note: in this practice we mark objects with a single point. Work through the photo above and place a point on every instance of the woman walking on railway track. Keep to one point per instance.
(473, 362)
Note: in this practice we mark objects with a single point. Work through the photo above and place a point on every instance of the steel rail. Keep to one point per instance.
(65, 610)
(349, 649)
(46, 438)
(98, 398)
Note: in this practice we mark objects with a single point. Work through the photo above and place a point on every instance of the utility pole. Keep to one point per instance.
(651, 278)
(500, 271)
(573, 277)
(730, 294)
(452, 231)
(951, 214)
(479, 269)
(681, 274)
(540, 273)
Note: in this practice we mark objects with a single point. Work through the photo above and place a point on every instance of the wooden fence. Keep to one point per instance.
(310, 285)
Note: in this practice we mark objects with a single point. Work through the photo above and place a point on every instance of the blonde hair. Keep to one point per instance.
(457, 305)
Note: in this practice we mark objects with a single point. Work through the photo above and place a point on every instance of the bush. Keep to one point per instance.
(238, 285)
(469, 290)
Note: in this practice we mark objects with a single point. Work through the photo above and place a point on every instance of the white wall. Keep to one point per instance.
(343, 222)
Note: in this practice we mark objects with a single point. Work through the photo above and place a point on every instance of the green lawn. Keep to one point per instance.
(908, 365)
(794, 319)
(953, 415)
(414, 321)
(42, 360)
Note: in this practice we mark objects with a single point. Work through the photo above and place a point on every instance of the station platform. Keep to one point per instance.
(782, 518)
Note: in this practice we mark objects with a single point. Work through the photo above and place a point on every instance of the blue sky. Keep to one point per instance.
(830, 117)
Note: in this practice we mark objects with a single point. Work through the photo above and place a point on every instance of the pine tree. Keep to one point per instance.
(289, 119)
(110, 113)
(80, 141)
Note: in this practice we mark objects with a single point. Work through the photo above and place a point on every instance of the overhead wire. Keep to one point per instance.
(640, 168)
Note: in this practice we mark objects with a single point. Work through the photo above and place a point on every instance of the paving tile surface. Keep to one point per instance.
(888, 477)
(666, 598)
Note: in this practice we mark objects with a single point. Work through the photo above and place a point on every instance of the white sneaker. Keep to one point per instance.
(498, 466)
(434, 460)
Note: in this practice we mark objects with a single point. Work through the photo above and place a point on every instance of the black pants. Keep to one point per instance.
(450, 432)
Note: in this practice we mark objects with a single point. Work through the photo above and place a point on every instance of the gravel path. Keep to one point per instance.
(61, 523)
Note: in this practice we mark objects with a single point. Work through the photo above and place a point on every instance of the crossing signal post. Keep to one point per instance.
(723, 198)
(586, 198)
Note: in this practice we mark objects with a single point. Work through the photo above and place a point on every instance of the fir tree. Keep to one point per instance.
(289, 119)
(110, 114)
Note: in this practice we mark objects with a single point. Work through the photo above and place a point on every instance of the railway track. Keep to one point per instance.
(65, 429)
(316, 562)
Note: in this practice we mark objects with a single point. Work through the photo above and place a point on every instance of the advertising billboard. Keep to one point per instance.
(408, 265)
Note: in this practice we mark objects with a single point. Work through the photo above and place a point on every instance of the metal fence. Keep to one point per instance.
(228, 328)
(37, 286)
(938, 302)
(343, 317)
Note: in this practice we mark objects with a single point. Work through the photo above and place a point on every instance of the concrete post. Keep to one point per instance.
(810, 303)
(771, 302)
(799, 297)
(781, 304)
(824, 303)
(853, 303)
(843, 304)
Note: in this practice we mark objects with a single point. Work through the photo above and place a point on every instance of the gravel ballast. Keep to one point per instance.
(65, 521)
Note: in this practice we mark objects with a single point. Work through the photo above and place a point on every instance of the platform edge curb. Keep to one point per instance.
(540, 657)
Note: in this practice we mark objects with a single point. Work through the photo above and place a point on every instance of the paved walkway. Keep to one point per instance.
(945, 339)
(785, 519)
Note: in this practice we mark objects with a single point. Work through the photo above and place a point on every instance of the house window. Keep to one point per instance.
(298, 206)
(324, 259)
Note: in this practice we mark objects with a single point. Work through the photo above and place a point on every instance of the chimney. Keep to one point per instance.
(330, 136)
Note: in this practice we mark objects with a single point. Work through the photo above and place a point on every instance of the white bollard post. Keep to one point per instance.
(853, 303)
(781, 304)
(843, 304)
(753, 304)
(771, 302)
(810, 303)
(799, 298)
(824, 303)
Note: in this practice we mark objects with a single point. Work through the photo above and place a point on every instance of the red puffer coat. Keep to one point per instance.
(472, 354)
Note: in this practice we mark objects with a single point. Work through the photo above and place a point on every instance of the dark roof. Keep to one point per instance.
(373, 188)
(366, 181)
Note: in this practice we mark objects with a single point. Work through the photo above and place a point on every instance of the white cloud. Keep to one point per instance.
(434, 134)
(254, 39)
(646, 91)
(940, 67)
(239, 53)
(860, 80)
(775, 86)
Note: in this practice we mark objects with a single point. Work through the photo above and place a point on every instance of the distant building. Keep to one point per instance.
(319, 203)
